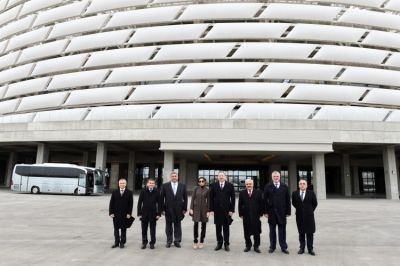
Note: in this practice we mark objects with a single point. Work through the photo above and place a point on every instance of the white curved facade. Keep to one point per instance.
(273, 76)
(315, 60)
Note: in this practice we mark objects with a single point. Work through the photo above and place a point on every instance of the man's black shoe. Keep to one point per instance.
(122, 245)
(115, 245)
(177, 245)
(218, 247)
(168, 245)
(311, 252)
(151, 246)
(257, 250)
(143, 246)
(271, 250)
(301, 251)
(227, 248)
(247, 249)
(285, 251)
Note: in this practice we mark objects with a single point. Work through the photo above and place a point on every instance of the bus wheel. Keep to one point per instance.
(76, 191)
(35, 190)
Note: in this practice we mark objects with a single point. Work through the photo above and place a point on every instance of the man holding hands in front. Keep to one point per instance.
(277, 208)
(120, 209)
(222, 204)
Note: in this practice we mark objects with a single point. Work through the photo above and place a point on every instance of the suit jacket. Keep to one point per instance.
(222, 201)
(149, 204)
(251, 209)
(305, 211)
(277, 203)
(174, 205)
(120, 206)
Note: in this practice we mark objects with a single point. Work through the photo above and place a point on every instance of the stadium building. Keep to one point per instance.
(310, 88)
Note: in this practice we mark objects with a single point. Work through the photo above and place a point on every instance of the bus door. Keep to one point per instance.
(82, 181)
(98, 184)
(24, 183)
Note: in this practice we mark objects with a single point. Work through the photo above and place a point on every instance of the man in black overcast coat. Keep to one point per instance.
(149, 211)
(120, 209)
(305, 202)
(251, 209)
(222, 204)
(277, 208)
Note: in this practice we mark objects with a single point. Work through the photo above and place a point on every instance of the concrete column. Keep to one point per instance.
(292, 175)
(356, 181)
(346, 176)
(114, 176)
(390, 167)
(152, 170)
(12, 160)
(42, 154)
(101, 155)
(183, 170)
(132, 170)
(85, 158)
(168, 165)
(318, 162)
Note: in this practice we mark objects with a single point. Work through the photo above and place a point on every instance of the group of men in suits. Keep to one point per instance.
(171, 201)
(275, 204)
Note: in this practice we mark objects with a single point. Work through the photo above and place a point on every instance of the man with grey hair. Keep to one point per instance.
(277, 208)
(120, 210)
(305, 203)
(251, 209)
(222, 205)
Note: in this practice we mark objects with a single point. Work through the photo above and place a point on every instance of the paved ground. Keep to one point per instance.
(76, 230)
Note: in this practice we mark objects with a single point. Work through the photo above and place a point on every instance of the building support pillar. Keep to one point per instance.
(293, 176)
(12, 160)
(318, 163)
(114, 176)
(132, 170)
(85, 158)
(183, 170)
(346, 176)
(101, 155)
(356, 181)
(42, 154)
(168, 165)
(390, 168)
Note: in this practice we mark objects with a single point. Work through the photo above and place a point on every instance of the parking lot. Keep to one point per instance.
(76, 230)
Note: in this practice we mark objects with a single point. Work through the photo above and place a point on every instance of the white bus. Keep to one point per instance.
(57, 178)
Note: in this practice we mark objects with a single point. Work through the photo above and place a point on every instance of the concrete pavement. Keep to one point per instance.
(76, 230)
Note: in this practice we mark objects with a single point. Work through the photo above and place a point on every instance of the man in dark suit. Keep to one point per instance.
(174, 206)
(149, 212)
(305, 202)
(120, 209)
(277, 208)
(222, 204)
(251, 208)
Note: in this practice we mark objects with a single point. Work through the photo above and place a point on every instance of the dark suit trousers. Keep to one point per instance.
(196, 232)
(248, 240)
(281, 233)
(310, 241)
(176, 231)
(117, 237)
(225, 228)
(145, 225)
